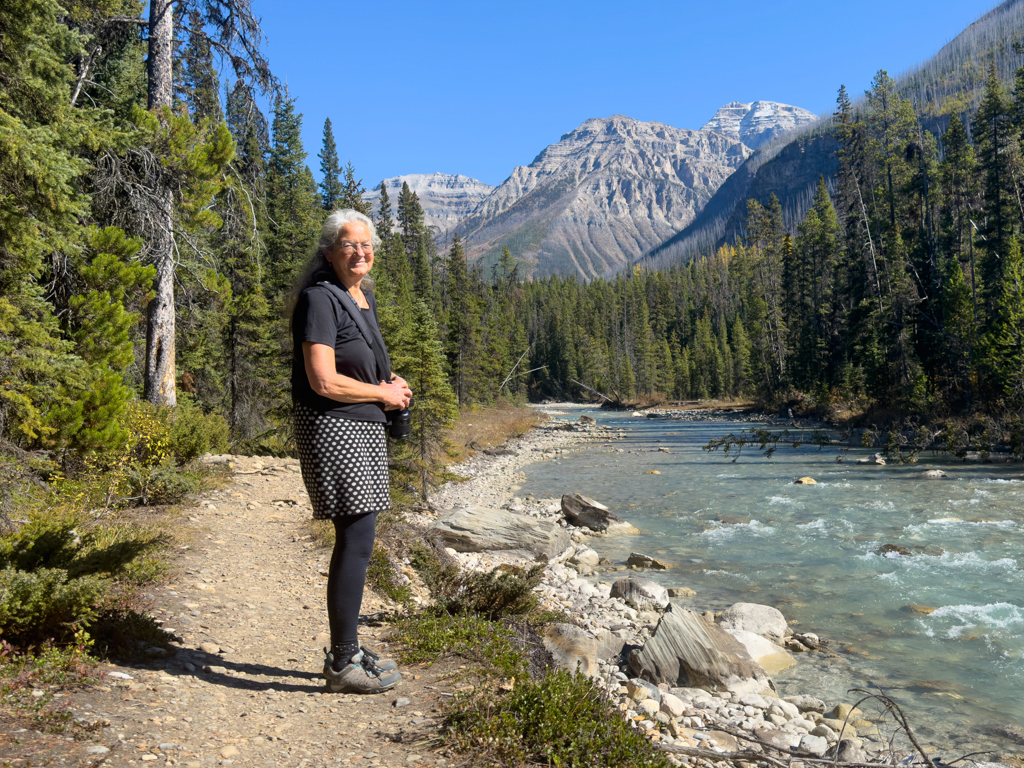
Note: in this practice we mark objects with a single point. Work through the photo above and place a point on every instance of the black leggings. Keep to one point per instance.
(353, 544)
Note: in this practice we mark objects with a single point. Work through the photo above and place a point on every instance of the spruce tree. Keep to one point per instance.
(993, 132)
(331, 189)
(352, 192)
(435, 410)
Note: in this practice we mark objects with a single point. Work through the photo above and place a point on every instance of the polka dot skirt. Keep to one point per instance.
(344, 463)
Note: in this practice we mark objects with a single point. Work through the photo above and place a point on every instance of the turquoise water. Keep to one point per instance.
(742, 531)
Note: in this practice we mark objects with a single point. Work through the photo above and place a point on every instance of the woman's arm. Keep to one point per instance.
(327, 382)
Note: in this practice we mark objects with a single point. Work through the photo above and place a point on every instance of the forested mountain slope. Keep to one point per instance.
(951, 82)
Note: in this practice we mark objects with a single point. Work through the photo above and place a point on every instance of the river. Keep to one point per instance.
(741, 531)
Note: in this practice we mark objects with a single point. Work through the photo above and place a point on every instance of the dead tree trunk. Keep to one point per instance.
(159, 376)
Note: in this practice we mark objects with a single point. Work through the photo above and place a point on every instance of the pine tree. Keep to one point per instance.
(463, 347)
(331, 189)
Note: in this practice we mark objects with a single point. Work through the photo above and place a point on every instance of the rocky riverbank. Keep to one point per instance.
(693, 679)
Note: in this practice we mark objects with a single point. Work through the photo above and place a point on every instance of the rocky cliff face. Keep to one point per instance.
(602, 196)
(445, 198)
(758, 123)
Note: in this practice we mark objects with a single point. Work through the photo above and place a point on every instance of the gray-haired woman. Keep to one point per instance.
(341, 387)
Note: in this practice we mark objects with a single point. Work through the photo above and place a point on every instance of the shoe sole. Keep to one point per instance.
(333, 687)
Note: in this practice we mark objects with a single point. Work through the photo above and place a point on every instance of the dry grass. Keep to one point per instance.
(482, 427)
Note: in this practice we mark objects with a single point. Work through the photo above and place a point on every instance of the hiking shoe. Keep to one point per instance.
(373, 659)
(354, 677)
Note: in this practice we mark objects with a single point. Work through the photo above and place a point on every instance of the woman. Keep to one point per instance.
(340, 397)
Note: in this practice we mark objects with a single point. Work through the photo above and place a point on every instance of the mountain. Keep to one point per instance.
(606, 193)
(758, 123)
(789, 166)
(445, 198)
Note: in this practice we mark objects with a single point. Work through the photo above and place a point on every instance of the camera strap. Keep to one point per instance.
(371, 335)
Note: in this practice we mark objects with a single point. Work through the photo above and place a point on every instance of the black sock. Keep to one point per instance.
(343, 653)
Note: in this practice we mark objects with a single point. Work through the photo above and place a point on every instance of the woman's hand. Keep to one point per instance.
(395, 394)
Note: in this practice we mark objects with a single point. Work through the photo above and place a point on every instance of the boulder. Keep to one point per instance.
(584, 419)
(806, 703)
(888, 549)
(585, 556)
(609, 645)
(876, 459)
(672, 705)
(805, 481)
(851, 751)
(584, 512)
(572, 648)
(844, 711)
(815, 746)
(641, 593)
(931, 474)
(759, 619)
(680, 592)
(638, 560)
(771, 657)
(687, 651)
(479, 529)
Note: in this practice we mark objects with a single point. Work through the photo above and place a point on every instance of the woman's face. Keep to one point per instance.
(352, 256)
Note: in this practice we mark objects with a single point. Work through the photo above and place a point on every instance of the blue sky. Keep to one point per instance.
(480, 87)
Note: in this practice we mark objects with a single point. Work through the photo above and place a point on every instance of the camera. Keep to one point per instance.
(400, 426)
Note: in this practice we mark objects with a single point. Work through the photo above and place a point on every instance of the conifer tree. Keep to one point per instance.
(435, 407)
(331, 189)
(1005, 341)
(352, 192)
(993, 132)
(463, 347)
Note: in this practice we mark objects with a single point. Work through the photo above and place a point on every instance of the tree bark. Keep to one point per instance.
(160, 376)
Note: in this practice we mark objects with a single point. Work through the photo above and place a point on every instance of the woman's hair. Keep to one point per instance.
(317, 268)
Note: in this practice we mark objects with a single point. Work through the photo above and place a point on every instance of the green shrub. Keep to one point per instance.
(561, 720)
(194, 433)
(427, 635)
(495, 594)
(45, 604)
(57, 569)
(383, 578)
(163, 484)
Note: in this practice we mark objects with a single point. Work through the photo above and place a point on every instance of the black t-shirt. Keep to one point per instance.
(320, 319)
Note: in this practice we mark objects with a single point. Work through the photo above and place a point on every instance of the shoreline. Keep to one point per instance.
(683, 717)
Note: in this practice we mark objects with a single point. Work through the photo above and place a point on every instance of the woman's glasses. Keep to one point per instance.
(348, 247)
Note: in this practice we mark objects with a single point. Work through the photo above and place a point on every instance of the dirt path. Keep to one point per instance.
(244, 687)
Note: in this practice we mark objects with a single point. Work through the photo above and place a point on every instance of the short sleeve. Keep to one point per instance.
(321, 320)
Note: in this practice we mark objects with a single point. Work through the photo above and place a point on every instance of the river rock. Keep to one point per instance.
(585, 556)
(851, 751)
(680, 592)
(933, 474)
(584, 419)
(805, 481)
(844, 712)
(641, 593)
(687, 651)
(584, 512)
(572, 648)
(894, 549)
(771, 657)
(876, 459)
(815, 746)
(479, 529)
(639, 560)
(672, 705)
(806, 703)
(752, 617)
